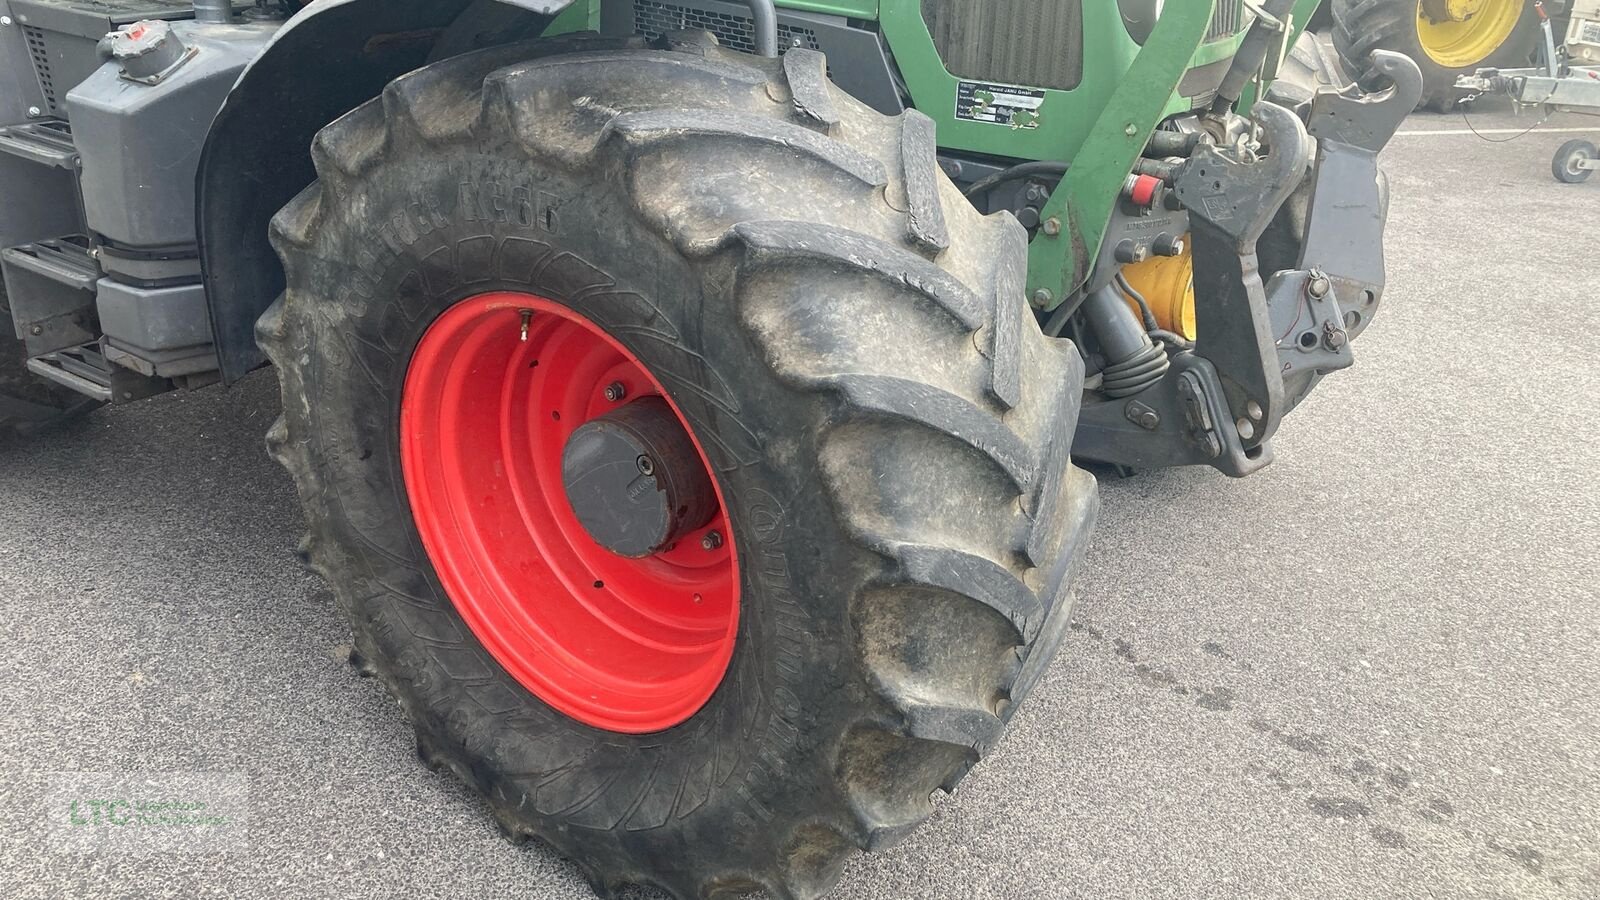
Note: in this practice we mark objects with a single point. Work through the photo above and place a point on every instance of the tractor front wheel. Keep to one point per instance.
(681, 449)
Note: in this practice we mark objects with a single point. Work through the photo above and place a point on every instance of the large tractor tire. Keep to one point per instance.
(678, 443)
(1447, 38)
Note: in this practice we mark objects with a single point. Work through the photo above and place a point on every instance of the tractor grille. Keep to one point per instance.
(1227, 21)
(40, 51)
(653, 19)
(1032, 42)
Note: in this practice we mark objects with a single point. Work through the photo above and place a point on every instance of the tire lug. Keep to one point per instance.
(712, 540)
(615, 391)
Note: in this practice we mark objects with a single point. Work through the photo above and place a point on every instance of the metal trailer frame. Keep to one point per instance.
(1555, 86)
(1576, 91)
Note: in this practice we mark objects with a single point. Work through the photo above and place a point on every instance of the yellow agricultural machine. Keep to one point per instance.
(1446, 38)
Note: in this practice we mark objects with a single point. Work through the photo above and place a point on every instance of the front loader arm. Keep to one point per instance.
(1078, 213)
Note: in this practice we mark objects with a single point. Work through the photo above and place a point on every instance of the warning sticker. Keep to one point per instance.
(999, 104)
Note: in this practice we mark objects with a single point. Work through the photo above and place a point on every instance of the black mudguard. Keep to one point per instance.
(329, 59)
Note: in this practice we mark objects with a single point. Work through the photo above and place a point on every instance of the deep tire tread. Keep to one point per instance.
(1006, 443)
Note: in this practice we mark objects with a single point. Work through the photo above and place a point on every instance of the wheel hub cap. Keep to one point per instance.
(635, 480)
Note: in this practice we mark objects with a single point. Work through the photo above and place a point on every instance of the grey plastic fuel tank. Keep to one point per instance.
(140, 130)
(162, 318)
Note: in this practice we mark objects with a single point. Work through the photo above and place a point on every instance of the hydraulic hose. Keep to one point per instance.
(1042, 170)
(1252, 53)
(1145, 313)
(1133, 361)
(1151, 326)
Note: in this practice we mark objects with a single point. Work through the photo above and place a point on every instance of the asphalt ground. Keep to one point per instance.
(1368, 671)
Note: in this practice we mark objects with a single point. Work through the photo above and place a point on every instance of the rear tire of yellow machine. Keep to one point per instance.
(1362, 26)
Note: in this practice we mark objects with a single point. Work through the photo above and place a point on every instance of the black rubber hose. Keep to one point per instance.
(1252, 53)
(1133, 375)
(1172, 143)
(1025, 170)
(1145, 314)
(1151, 326)
(1177, 341)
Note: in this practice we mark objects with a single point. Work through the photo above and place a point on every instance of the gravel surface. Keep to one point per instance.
(1368, 671)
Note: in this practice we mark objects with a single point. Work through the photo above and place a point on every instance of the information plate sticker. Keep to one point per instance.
(999, 104)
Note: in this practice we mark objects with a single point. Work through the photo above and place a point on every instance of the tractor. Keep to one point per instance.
(1446, 38)
(690, 400)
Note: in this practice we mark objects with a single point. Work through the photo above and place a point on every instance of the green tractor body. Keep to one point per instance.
(1014, 80)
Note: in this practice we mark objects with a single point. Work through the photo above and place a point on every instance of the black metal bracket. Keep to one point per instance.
(1263, 344)
(1232, 198)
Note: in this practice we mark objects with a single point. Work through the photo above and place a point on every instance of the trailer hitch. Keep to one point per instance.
(1265, 339)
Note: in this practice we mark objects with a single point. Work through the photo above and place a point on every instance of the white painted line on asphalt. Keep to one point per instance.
(1457, 131)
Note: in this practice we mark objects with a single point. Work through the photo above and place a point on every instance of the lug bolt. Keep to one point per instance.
(615, 391)
(647, 466)
(35, 112)
(5, 20)
(712, 540)
(1052, 226)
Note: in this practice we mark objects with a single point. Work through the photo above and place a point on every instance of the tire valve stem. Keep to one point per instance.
(527, 316)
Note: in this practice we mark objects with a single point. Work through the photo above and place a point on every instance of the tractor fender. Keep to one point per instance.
(330, 58)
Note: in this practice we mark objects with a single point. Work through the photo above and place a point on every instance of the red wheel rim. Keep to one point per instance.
(627, 645)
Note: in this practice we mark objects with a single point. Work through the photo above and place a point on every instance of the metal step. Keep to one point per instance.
(51, 288)
(64, 260)
(74, 372)
(48, 143)
(85, 370)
